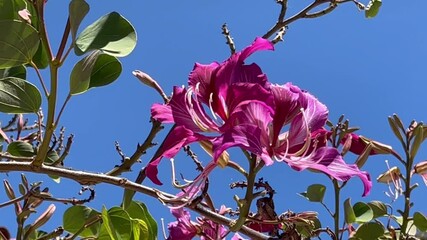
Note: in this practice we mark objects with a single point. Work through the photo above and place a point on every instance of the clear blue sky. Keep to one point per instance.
(364, 68)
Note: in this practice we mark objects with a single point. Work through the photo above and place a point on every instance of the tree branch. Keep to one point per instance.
(87, 178)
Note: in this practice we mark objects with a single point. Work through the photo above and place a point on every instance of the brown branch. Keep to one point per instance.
(302, 14)
(87, 178)
(126, 165)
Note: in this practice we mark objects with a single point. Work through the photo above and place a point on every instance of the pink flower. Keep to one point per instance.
(247, 111)
(222, 88)
(185, 229)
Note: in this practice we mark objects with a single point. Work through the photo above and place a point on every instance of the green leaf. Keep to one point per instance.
(420, 221)
(7, 10)
(77, 10)
(112, 34)
(140, 230)
(20, 149)
(116, 224)
(369, 230)
(17, 45)
(314, 193)
(17, 71)
(106, 70)
(373, 8)
(41, 57)
(411, 229)
(418, 139)
(107, 228)
(18, 96)
(95, 70)
(349, 215)
(80, 75)
(51, 157)
(379, 208)
(363, 212)
(138, 210)
(76, 217)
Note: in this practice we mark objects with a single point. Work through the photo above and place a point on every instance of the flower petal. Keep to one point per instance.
(329, 161)
(201, 78)
(174, 141)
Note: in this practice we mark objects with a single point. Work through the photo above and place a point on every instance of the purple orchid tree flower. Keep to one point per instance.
(261, 133)
(220, 87)
(185, 229)
(249, 112)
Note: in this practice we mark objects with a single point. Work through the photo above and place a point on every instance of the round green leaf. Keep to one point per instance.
(379, 208)
(18, 96)
(315, 193)
(18, 44)
(20, 149)
(106, 70)
(369, 230)
(372, 8)
(363, 212)
(18, 72)
(76, 216)
(80, 75)
(420, 221)
(349, 215)
(112, 34)
(94, 70)
(77, 11)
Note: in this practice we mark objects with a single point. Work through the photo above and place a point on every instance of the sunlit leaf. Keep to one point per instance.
(349, 215)
(80, 75)
(77, 11)
(379, 209)
(77, 216)
(363, 212)
(138, 210)
(314, 193)
(106, 70)
(420, 221)
(369, 231)
(116, 224)
(372, 8)
(18, 96)
(95, 70)
(140, 230)
(18, 44)
(112, 34)
(20, 149)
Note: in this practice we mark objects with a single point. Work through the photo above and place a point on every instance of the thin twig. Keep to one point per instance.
(295, 17)
(126, 165)
(229, 39)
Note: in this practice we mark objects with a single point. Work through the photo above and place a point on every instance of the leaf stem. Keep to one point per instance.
(46, 93)
(64, 39)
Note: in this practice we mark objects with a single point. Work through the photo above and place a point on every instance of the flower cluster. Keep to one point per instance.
(231, 104)
(185, 229)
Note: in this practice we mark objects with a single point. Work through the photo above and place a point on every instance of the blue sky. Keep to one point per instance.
(364, 68)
